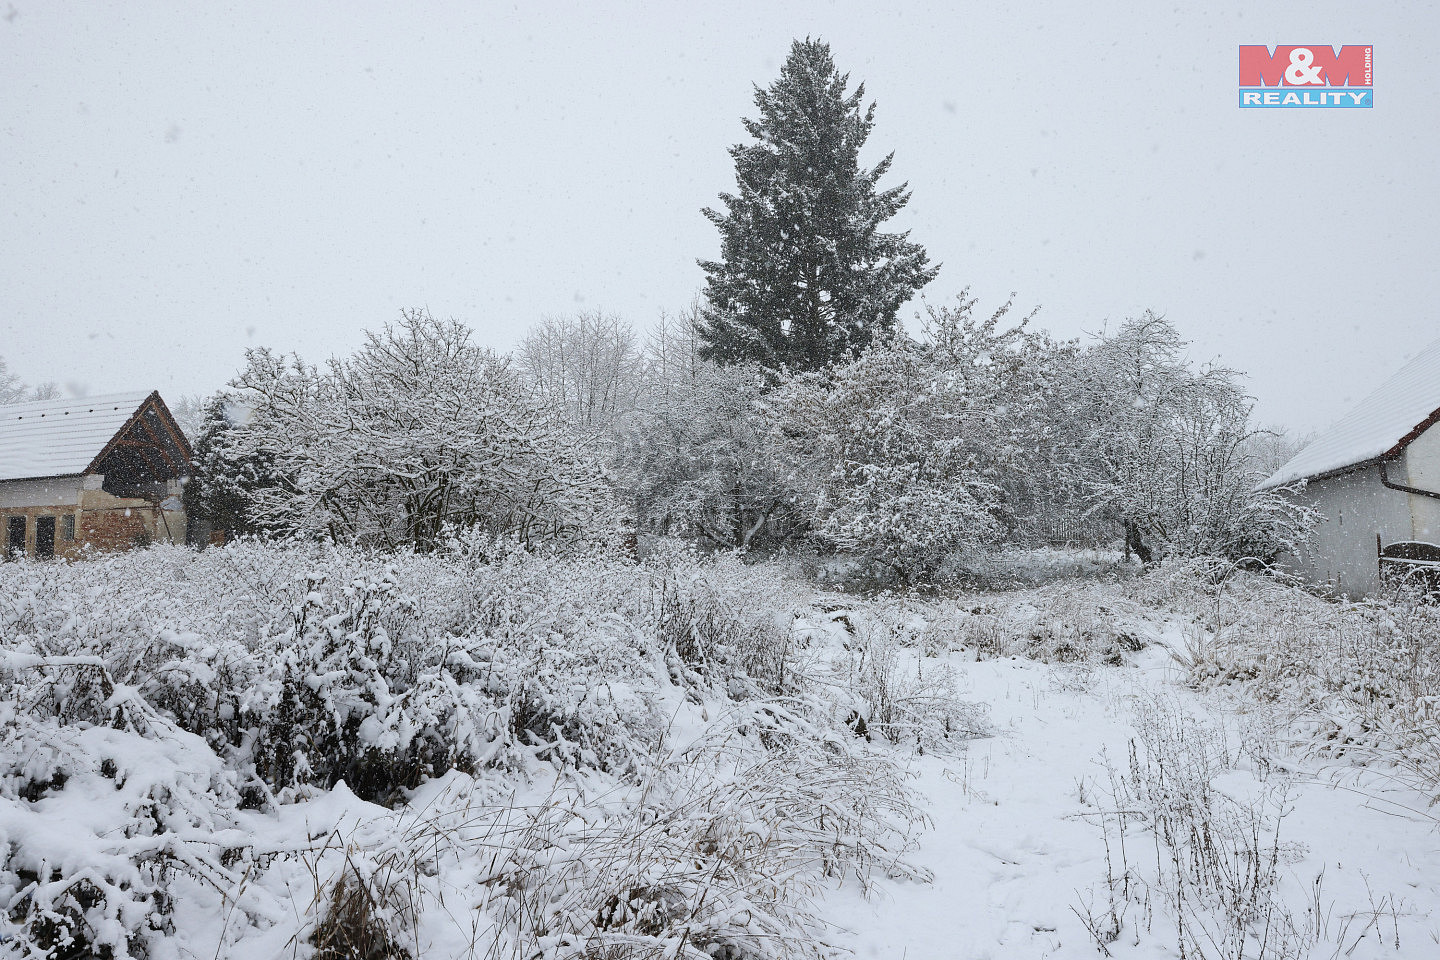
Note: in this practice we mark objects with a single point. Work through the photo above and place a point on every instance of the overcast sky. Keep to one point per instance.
(179, 182)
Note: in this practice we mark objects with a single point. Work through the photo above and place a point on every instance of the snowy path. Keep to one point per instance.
(1012, 850)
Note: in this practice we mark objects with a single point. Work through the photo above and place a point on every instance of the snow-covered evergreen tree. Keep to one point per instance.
(806, 276)
(229, 469)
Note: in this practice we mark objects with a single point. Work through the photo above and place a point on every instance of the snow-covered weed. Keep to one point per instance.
(725, 622)
(899, 692)
(717, 858)
(1200, 847)
(371, 908)
(1216, 859)
(1359, 681)
(705, 781)
(1061, 623)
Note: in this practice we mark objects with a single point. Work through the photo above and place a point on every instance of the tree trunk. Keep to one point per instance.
(1133, 542)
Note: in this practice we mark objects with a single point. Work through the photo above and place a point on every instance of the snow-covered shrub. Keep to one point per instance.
(893, 688)
(202, 700)
(715, 860)
(892, 440)
(107, 812)
(57, 608)
(308, 667)
(340, 698)
(538, 658)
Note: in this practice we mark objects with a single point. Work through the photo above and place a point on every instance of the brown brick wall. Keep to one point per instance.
(111, 529)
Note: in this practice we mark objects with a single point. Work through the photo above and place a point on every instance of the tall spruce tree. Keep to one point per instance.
(805, 275)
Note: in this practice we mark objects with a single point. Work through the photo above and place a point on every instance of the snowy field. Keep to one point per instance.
(1021, 866)
(267, 752)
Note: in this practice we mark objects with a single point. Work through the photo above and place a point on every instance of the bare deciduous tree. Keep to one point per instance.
(586, 366)
(12, 390)
(1168, 449)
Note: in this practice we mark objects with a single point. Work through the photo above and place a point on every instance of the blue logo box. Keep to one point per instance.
(1299, 98)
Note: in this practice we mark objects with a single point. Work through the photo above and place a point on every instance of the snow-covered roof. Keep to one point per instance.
(58, 438)
(1380, 426)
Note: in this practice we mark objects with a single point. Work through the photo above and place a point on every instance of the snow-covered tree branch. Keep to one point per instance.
(418, 430)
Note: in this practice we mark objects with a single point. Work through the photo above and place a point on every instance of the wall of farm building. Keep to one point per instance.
(1422, 466)
(52, 492)
(1354, 508)
(101, 521)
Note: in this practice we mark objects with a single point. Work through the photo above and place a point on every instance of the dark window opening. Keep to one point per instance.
(15, 535)
(67, 528)
(44, 537)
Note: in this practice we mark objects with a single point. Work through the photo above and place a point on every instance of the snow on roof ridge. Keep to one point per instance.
(1379, 425)
(59, 438)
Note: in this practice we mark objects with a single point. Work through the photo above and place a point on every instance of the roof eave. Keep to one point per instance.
(48, 476)
(1392, 454)
(1413, 435)
(1330, 474)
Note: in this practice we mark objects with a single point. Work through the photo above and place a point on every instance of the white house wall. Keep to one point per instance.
(1422, 465)
(1355, 507)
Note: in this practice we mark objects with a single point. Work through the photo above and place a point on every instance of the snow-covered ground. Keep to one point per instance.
(456, 757)
(1019, 856)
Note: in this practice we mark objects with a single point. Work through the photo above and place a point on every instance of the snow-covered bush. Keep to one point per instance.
(307, 667)
(418, 430)
(895, 684)
(892, 440)
(182, 734)
(108, 812)
(348, 694)
(526, 658)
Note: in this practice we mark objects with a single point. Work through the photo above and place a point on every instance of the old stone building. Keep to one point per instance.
(102, 473)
